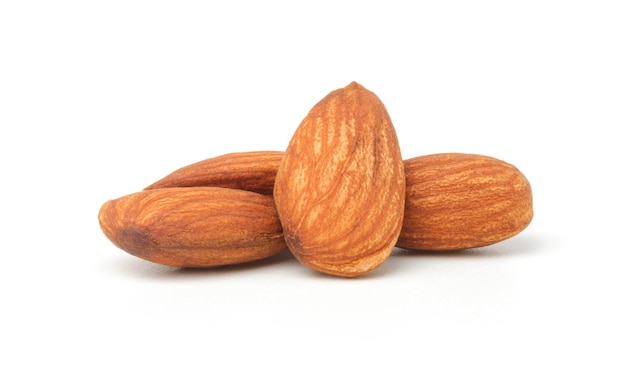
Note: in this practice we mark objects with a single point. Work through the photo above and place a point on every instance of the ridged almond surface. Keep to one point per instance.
(253, 171)
(457, 201)
(340, 188)
(421, 169)
(194, 227)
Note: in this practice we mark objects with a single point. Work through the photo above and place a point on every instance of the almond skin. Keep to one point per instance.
(194, 227)
(424, 228)
(457, 201)
(340, 187)
(253, 171)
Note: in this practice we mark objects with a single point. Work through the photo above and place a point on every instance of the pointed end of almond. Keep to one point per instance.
(353, 86)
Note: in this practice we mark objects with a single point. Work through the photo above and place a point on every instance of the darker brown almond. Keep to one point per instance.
(340, 188)
(253, 171)
(456, 201)
(194, 227)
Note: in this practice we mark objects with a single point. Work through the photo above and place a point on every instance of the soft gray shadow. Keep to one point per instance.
(520, 245)
(524, 244)
(139, 268)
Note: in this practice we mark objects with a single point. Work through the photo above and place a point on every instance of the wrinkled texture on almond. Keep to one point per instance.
(253, 171)
(456, 201)
(340, 188)
(194, 227)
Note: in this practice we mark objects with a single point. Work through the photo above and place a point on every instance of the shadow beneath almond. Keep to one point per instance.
(524, 244)
(139, 268)
(520, 245)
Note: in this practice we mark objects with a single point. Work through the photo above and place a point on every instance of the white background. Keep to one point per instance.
(100, 99)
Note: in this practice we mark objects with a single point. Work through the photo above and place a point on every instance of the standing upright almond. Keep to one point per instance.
(340, 188)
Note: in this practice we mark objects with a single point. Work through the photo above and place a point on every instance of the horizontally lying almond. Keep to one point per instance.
(457, 201)
(340, 187)
(254, 171)
(194, 227)
(431, 183)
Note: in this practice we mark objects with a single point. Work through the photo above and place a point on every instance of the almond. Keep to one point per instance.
(457, 201)
(418, 220)
(194, 227)
(253, 171)
(340, 187)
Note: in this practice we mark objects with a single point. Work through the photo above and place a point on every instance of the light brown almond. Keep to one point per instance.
(253, 171)
(194, 226)
(423, 228)
(340, 188)
(457, 201)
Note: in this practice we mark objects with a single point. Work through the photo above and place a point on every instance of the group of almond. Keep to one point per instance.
(340, 198)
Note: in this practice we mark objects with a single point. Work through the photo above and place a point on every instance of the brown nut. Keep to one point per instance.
(340, 188)
(254, 171)
(457, 201)
(424, 228)
(194, 227)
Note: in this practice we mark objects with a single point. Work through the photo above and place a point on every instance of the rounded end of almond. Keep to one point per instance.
(121, 231)
(104, 216)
